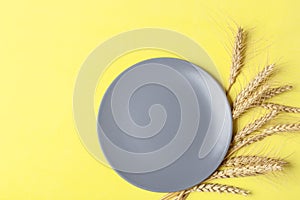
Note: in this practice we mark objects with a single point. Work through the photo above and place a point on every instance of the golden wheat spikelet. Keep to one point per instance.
(251, 127)
(248, 170)
(273, 92)
(267, 132)
(241, 161)
(247, 102)
(214, 187)
(238, 56)
(253, 85)
(207, 187)
(283, 108)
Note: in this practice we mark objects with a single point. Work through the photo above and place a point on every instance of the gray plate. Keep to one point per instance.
(164, 124)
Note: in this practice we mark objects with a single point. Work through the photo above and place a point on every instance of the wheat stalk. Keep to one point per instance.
(283, 108)
(241, 161)
(238, 57)
(185, 197)
(253, 85)
(250, 128)
(267, 132)
(248, 170)
(171, 195)
(181, 195)
(243, 106)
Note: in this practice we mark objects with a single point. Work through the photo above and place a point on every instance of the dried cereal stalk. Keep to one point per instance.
(171, 195)
(207, 187)
(283, 108)
(253, 95)
(248, 170)
(247, 103)
(254, 85)
(214, 187)
(267, 132)
(241, 161)
(250, 128)
(273, 92)
(238, 56)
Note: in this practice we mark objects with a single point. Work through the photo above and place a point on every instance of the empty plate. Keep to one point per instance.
(164, 124)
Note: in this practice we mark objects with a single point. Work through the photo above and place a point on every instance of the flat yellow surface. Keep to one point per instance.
(44, 43)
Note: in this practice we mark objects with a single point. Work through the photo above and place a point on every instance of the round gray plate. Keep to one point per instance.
(164, 124)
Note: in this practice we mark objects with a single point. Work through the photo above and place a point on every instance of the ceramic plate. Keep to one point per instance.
(164, 124)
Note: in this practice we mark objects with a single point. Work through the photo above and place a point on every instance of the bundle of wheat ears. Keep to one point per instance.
(257, 93)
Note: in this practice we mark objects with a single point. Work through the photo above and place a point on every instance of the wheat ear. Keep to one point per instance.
(273, 92)
(238, 57)
(241, 161)
(243, 106)
(248, 170)
(250, 128)
(214, 187)
(169, 196)
(253, 85)
(267, 132)
(207, 187)
(283, 108)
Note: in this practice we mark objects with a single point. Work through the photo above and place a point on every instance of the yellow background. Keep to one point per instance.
(44, 43)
